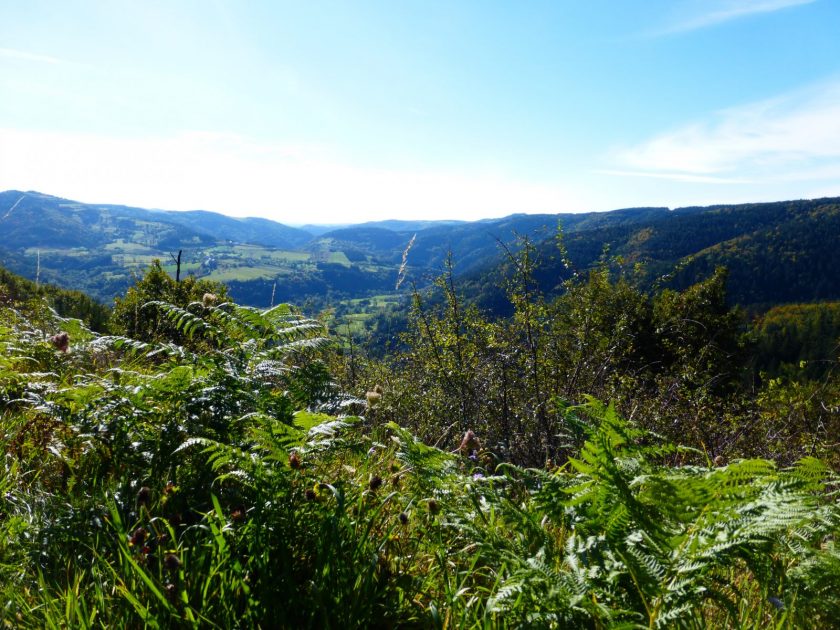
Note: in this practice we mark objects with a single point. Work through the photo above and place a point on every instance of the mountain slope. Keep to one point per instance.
(249, 230)
(775, 252)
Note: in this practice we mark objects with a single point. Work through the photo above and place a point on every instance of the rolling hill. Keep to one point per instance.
(776, 252)
(98, 248)
(780, 252)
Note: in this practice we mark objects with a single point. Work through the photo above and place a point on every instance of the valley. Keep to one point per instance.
(776, 253)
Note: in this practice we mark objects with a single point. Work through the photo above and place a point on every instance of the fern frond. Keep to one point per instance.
(185, 322)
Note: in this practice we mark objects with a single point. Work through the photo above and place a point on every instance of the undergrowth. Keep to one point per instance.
(228, 483)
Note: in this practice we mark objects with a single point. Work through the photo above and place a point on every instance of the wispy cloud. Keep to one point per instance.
(705, 14)
(677, 177)
(12, 53)
(795, 136)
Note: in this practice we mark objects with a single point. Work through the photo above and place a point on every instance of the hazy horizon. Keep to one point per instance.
(356, 112)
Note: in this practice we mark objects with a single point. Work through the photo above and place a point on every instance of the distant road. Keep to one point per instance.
(6, 216)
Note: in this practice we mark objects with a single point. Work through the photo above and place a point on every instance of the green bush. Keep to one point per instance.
(218, 477)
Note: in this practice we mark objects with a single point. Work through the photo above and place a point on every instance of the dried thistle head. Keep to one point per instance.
(144, 496)
(470, 443)
(294, 461)
(138, 537)
(209, 299)
(373, 399)
(171, 562)
(61, 341)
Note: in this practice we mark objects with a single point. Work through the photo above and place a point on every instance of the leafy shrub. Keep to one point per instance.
(218, 478)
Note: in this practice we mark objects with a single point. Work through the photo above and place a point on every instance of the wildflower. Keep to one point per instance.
(375, 482)
(209, 299)
(238, 514)
(138, 537)
(144, 496)
(61, 341)
(310, 494)
(171, 562)
(294, 461)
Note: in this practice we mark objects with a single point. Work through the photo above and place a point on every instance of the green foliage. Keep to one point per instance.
(214, 475)
(679, 356)
(802, 338)
(133, 318)
(15, 290)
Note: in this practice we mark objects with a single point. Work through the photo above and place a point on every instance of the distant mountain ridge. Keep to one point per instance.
(44, 220)
(776, 252)
(97, 247)
(241, 230)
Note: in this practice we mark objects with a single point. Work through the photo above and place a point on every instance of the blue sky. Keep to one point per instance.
(351, 111)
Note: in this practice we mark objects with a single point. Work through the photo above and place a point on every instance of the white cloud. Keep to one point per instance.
(11, 53)
(832, 190)
(230, 174)
(718, 12)
(677, 177)
(795, 136)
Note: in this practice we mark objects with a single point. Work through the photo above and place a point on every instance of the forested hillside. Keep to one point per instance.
(776, 252)
(610, 457)
(100, 248)
(75, 304)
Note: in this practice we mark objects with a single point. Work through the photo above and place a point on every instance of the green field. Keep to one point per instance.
(135, 260)
(354, 316)
(123, 246)
(243, 273)
(257, 252)
(190, 267)
(339, 258)
(380, 301)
